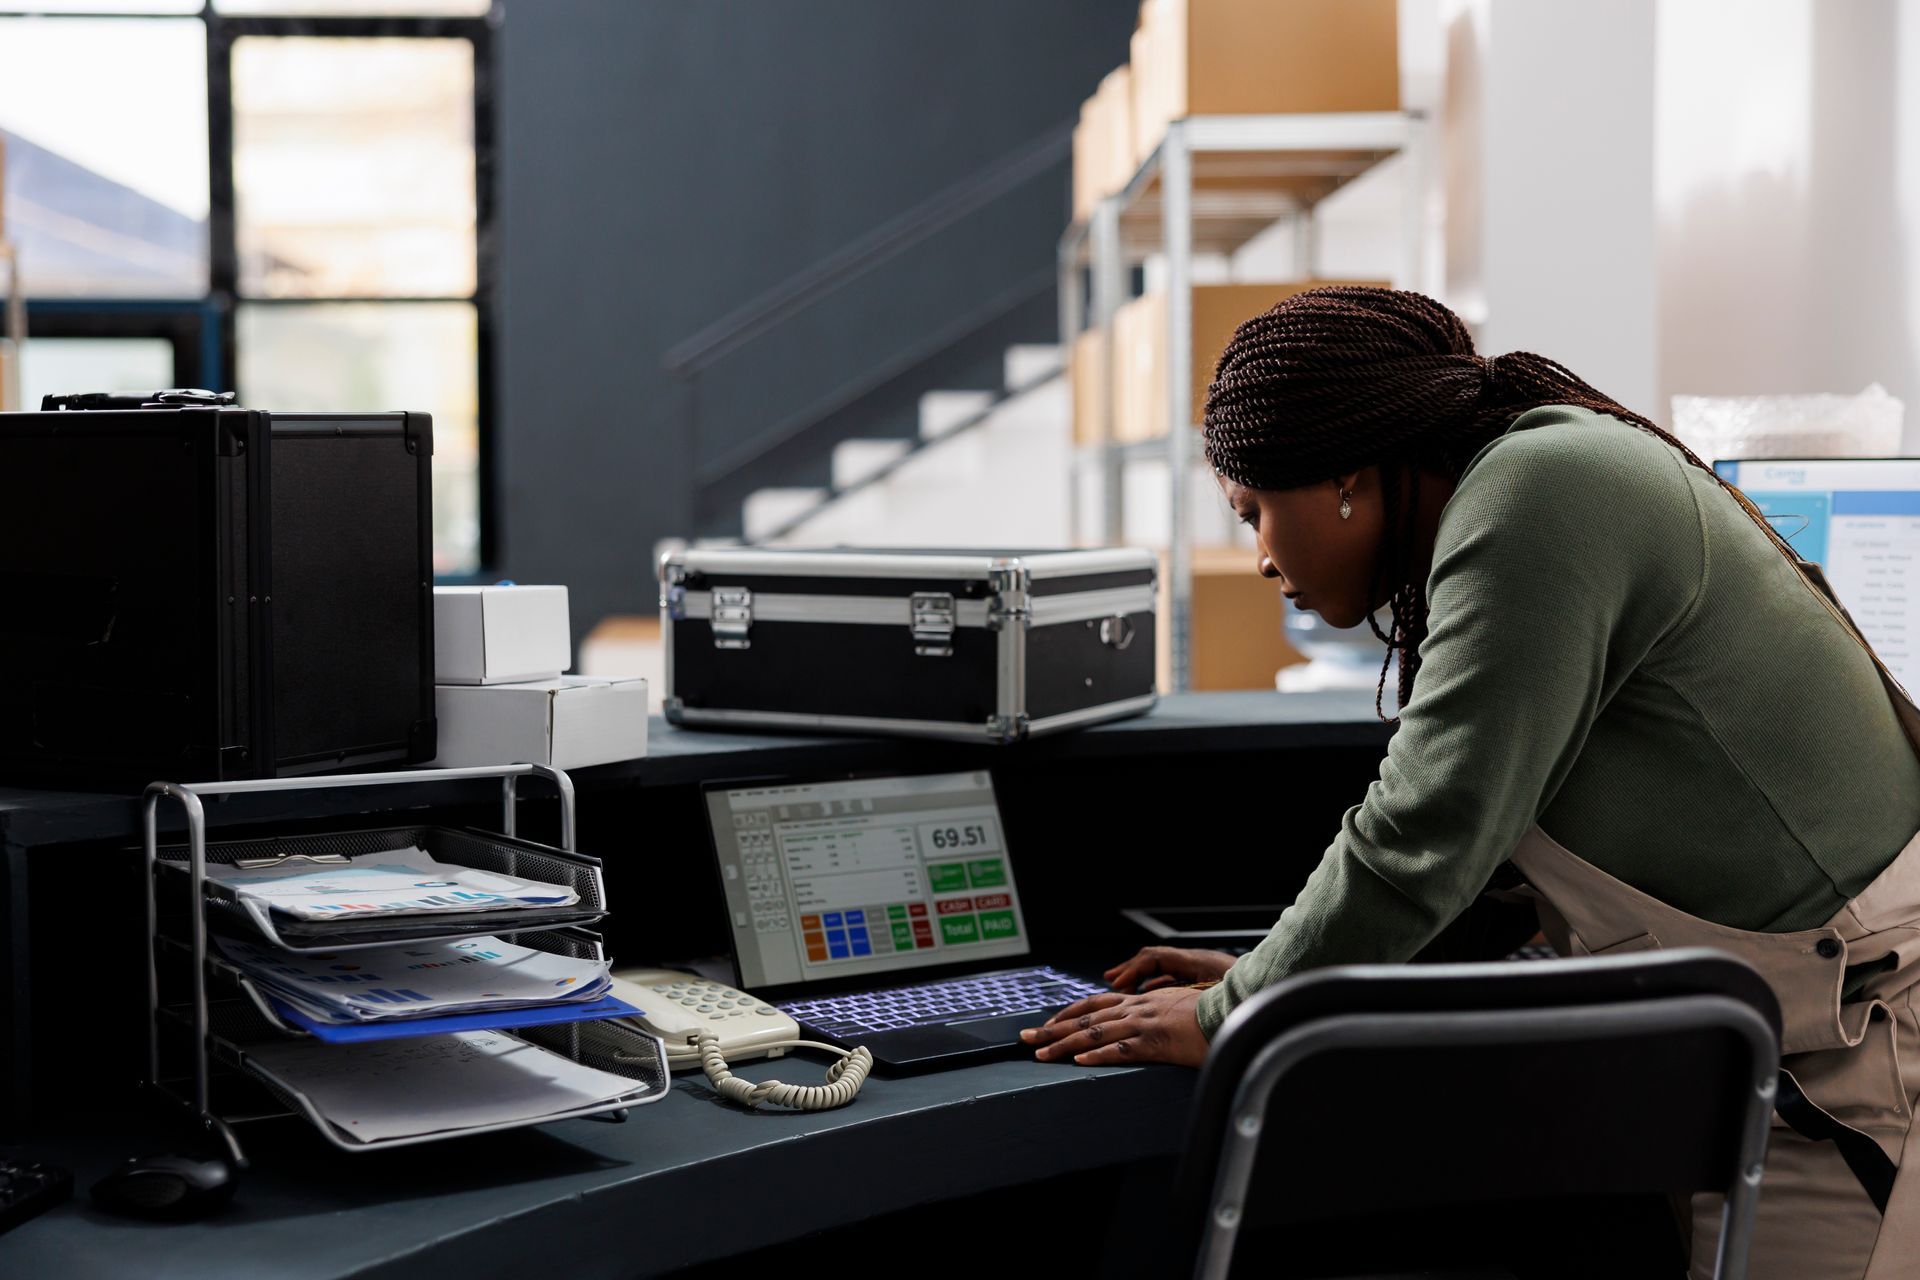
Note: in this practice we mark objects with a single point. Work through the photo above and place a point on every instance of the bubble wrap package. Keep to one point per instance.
(1818, 426)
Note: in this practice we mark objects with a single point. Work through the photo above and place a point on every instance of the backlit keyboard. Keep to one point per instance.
(989, 995)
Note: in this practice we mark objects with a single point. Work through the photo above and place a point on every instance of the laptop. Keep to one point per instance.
(883, 911)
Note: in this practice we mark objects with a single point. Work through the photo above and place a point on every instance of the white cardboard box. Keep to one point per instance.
(568, 723)
(500, 635)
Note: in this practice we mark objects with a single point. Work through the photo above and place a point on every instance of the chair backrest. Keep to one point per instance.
(1412, 1087)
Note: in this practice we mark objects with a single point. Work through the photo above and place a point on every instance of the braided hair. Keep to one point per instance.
(1333, 380)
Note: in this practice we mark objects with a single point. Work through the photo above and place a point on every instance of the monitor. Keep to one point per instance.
(1859, 520)
(866, 876)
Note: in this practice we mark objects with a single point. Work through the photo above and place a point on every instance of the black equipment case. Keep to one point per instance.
(987, 646)
(202, 592)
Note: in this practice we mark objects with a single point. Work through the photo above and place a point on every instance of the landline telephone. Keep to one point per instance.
(709, 1024)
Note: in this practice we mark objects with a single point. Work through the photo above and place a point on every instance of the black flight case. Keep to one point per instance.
(196, 591)
(989, 646)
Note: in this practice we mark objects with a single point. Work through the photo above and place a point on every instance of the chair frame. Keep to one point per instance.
(1487, 1027)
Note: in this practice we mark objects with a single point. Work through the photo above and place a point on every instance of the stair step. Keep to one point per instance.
(1031, 362)
(856, 460)
(767, 510)
(942, 411)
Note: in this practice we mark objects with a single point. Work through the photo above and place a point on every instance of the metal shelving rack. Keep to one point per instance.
(13, 328)
(221, 1035)
(1212, 185)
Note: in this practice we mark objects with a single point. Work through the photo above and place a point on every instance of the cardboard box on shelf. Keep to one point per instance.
(1086, 366)
(1085, 171)
(498, 635)
(1238, 639)
(1259, 57)
(568, 723)
(1103, 143)
(1140, 328)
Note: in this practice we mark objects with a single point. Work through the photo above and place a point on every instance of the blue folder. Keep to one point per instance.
(403, 1028)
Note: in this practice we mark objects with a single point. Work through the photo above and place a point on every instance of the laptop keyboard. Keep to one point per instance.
(990, 995)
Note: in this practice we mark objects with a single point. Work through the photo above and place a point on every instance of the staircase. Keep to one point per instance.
(986, 469)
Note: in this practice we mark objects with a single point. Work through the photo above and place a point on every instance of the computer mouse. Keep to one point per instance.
(167, 1187)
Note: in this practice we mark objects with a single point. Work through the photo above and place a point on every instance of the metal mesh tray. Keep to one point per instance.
(236, 1026)
(485, 851)
(573, 943)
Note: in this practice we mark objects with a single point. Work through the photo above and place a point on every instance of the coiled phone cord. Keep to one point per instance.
(844, 1077)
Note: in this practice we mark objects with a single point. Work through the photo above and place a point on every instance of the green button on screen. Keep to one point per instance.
(959, 929)
(896, 912)
(903, 937)
(948, 877)
(997, 924)
(986, 873)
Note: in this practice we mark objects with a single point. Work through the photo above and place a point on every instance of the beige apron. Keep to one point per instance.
(1845, 1054)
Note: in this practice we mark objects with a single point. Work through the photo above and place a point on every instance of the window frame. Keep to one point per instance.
(204, 330)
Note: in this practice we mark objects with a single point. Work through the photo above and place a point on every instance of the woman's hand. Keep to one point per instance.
(1155, 967)
(1155, 1026)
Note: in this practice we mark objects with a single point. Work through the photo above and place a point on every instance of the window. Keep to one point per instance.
(106, 166)
(287, 197)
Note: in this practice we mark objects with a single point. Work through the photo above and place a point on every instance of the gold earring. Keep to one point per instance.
(1346, 504)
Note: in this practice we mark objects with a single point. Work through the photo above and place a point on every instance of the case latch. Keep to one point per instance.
(732, 617)
(933, 624)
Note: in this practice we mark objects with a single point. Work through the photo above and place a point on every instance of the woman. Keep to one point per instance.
(1612, 674)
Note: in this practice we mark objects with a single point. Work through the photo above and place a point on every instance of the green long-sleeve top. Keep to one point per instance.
(1615, 651)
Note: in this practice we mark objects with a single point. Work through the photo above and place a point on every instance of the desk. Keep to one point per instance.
(684, 1180)
(1157, 807)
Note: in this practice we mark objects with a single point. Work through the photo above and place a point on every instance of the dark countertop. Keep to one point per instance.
(1181, 724)
(685, 1179)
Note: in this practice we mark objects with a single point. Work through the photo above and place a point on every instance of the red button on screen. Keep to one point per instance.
(954, 906)
(988, 901)
(917, 909)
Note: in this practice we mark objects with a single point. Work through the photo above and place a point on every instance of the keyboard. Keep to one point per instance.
(989, 995)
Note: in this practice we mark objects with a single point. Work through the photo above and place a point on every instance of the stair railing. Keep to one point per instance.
(689, 360)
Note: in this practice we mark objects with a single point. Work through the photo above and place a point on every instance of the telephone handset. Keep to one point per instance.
(709, 1024)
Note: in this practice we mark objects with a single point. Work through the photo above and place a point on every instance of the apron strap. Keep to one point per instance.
(1863, 1155)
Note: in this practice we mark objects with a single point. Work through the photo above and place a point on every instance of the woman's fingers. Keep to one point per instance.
(1161, 1027)
(1125, 976)
(1164, 980)
(1118, 1052)
(1104, 1000)
(1090, 1031)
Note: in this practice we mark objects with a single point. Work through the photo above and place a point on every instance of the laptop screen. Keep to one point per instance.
(848, 878)
(1859, 520)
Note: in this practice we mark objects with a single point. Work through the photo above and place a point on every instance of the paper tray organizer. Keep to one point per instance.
(222, 1013)
(503, 854)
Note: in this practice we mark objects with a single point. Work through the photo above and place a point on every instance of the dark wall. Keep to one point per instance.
(664, 162)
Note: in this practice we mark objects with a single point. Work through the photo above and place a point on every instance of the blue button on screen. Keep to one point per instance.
(831, 919)
(861, 948)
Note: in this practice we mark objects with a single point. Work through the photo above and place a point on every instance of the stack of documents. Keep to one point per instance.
(397, 1090)
(427, 980)
(396, 882)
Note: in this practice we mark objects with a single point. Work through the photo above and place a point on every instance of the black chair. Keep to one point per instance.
(1349, 1105)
